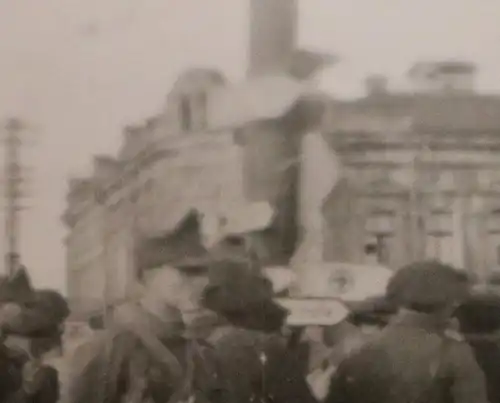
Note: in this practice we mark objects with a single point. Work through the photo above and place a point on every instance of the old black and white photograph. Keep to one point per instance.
(250, 201)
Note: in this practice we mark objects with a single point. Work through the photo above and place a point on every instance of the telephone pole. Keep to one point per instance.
(14, 179)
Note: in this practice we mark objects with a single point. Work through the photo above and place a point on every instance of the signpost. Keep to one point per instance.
(313, 312)
(345, 281)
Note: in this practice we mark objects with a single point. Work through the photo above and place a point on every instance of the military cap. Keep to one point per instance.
(426, 285)
(181, 247)
(186, 254)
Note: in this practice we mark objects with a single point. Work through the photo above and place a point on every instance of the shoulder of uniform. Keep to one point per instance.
(274, 340)
(458, 348)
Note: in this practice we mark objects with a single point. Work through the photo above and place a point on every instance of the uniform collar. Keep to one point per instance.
(417, 320)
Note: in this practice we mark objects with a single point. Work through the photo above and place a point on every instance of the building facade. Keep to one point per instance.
(419, 173)
(83, 246)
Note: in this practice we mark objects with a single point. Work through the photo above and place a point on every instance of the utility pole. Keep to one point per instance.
(14, 179)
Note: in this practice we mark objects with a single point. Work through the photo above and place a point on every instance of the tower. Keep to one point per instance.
(273, 35)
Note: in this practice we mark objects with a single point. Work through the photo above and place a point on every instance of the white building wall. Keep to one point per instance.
(84, 251)
(319, 174)
(320, 171)
(206, 174)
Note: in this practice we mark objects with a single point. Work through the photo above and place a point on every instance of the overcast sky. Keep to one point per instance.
(78, 70)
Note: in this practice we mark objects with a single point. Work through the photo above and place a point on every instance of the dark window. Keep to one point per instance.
(235, 240)
(383, 248)
(186, 114)
(371, 249)
(222, 222)
(96, 322)
(379, 248)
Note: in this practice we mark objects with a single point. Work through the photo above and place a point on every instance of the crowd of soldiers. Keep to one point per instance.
(219, 336)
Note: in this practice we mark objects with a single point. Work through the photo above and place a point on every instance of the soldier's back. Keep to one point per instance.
(410, 364)
(257, 367)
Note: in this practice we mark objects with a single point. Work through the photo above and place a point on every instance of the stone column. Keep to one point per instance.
(357, 230)
(401, 235)
(478, 236)
(460, 242)
(319, 174)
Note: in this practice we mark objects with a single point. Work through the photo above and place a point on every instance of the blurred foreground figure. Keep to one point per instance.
(341, 338)
(253, 358)
(412, 360)
(145, 355)
(479, 323)
(31, 327)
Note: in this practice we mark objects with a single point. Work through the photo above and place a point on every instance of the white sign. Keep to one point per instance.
(348, 282)
(313, 312)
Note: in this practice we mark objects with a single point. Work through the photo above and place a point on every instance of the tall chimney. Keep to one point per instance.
(273, 34)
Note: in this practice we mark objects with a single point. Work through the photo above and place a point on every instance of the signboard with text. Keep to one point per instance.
(313, 312)
(346, 281)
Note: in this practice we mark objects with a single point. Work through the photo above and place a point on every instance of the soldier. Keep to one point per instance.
(145, 355)
(478, 322)
(254, 362)
(31, 322)
(412, 359)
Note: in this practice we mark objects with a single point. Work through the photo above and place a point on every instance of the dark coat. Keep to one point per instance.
(122, 365)
(43, 386)
(47, 388)
(399, 366)
(256, 367)
(10, 372)
(479, 319)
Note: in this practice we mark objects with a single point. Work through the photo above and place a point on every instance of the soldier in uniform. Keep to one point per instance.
(254, 362)
(30, 322)
(413, 360)
(145, 354)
